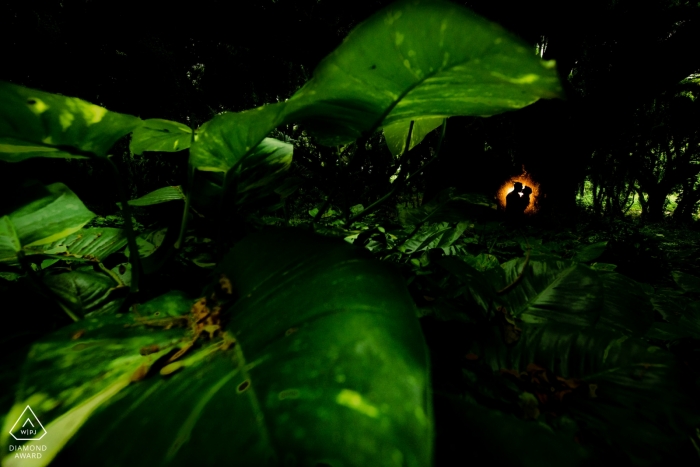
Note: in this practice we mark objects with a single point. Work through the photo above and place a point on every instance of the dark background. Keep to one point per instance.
(156, 59)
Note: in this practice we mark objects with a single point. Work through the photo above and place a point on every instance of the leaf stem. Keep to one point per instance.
(191, 171)
(399, 183)
(134, 258)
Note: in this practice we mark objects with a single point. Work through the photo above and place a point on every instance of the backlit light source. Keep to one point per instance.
(526, 180)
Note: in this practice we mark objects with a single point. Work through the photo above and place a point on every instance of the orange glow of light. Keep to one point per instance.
(526, 180)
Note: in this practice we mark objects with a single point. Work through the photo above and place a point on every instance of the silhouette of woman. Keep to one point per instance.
(525, 199)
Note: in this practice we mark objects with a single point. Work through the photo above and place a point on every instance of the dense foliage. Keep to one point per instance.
(293, 300)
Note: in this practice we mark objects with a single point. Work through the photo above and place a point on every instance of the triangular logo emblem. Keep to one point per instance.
(28, 427)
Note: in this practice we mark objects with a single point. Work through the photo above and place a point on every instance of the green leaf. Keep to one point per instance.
(161, 195)
(326, 343)
(397, 133)
(414, 60)
(666, 332)
(170, 304)
(94, 244)
(333, 299)
(156, 134)
(590, 252)
(15, 150)
(83, 291)
(441, 235)
(603, 266)
(148, 242)
(44, 214)
(481, 262)
(224, 140)
(9, 242)
(670, 304)
(256, 175)
(39, 124)
(687, 282)
(553, 291)
(420, 59)
(73, 371)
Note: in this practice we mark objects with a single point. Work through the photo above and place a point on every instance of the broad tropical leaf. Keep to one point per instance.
(94, 244)
(39, 124)
(441, 235)
(83, 292)
(590, 252)
(10, 244)
(257, 174)
(397, 133)
(73, 371)
(414, 60)
(553, 291)
(156, 134)
(224, 140)
(161, 195)
(44, 214)
(420, 59)
(329, 366)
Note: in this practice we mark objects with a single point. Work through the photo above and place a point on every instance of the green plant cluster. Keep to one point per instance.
(307, 345)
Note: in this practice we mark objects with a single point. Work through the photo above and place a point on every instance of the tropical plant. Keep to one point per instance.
(303, 350)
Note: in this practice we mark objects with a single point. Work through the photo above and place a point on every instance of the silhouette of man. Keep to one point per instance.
(513, 200)
(525, 198)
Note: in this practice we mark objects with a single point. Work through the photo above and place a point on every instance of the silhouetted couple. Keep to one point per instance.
(517, 201)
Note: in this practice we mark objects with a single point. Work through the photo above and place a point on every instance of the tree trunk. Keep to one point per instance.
(687, 205)
(655, 205)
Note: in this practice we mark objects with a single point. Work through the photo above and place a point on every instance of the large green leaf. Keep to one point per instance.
(94, 244)
(356, 352)
(397, 133)
(255, 176)
(156, 134)
(553, 291)
(39, 124)
(9, 242)
(44, 214)
(224, 140)
(70, 373)
(590, 252)
(329, 367)
(670, 304)
(418, 59)
(687, 282)
(414, 60)
(161, 195)
(83, 292)
(441, 235)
